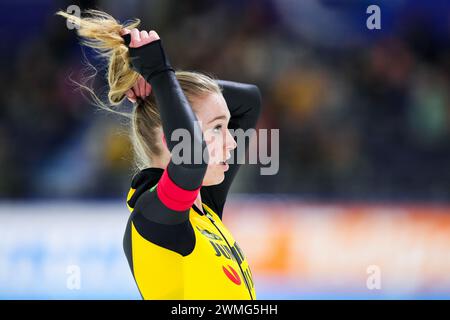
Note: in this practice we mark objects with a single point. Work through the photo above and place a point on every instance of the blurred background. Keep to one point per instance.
(363, 117)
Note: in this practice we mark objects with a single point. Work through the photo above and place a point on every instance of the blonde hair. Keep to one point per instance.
(101, 32)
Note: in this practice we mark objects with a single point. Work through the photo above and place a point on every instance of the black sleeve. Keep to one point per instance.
(244, 103)
(152, 63)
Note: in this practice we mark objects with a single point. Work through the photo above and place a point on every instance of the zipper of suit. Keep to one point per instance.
(210, 217)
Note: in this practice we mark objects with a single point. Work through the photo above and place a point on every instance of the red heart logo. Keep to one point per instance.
(233, 275)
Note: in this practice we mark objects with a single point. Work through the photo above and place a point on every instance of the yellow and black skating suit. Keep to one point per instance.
(176, 251)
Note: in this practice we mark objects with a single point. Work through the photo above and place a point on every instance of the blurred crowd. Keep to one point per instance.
(363, 114)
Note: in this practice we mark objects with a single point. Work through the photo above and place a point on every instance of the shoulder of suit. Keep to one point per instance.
(142, 181)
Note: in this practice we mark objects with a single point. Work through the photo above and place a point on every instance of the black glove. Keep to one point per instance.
(148, 60)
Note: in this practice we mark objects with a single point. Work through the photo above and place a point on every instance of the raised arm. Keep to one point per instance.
(180, 183)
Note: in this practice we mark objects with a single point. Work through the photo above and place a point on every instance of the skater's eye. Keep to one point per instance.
(217, 128)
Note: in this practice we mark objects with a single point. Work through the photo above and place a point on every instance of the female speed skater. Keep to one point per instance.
(175, 241)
